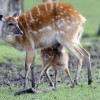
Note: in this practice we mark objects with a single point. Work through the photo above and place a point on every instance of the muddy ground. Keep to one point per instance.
(12, 75)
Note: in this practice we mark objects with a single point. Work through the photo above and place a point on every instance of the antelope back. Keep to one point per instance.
(46, 24)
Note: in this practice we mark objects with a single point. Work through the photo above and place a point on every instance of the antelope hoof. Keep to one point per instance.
(90, 81)
(33, 85)
(74, 84)
(51, 84)
(37, 85)
(24, 87)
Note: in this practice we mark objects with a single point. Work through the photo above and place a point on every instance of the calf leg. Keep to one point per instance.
(55, 83)
(48, 76)
(41, 73)
(68, 73)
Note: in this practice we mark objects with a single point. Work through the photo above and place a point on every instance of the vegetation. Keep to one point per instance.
(82, 92)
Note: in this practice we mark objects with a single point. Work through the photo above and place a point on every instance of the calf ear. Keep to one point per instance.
(16, 15)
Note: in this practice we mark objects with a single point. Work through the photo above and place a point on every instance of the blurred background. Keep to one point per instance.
(12, 61)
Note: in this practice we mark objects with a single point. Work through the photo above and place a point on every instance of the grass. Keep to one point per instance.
(63, 92)
(9, 54)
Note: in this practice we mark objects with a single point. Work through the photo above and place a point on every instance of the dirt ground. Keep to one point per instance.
(12, 75)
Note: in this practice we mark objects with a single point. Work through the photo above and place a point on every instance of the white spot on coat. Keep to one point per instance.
(56, 5)
(61, 32)
(36, 19)
(64, 12)
(40, 22)
(62, 19)
(68, 21)
(63, 51)
(61, 13)
(58, 16)
(70, 9)
(67, 17)
(48, 28)
(53, 20)
(61, 7)
(68, 28)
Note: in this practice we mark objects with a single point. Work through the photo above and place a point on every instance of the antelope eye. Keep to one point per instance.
(10, 24)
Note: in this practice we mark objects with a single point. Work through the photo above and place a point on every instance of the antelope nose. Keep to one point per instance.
(19, 31)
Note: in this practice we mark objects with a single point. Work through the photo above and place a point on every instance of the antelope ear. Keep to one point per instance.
(2, 18)
(16, 15)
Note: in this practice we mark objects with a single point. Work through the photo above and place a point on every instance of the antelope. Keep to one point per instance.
(56, 57)
(43, 26)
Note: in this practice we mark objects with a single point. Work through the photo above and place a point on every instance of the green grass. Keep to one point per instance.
(89, 8)
(81, 92)
(9, 54)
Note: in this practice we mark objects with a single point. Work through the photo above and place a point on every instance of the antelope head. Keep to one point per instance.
(10, 26)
